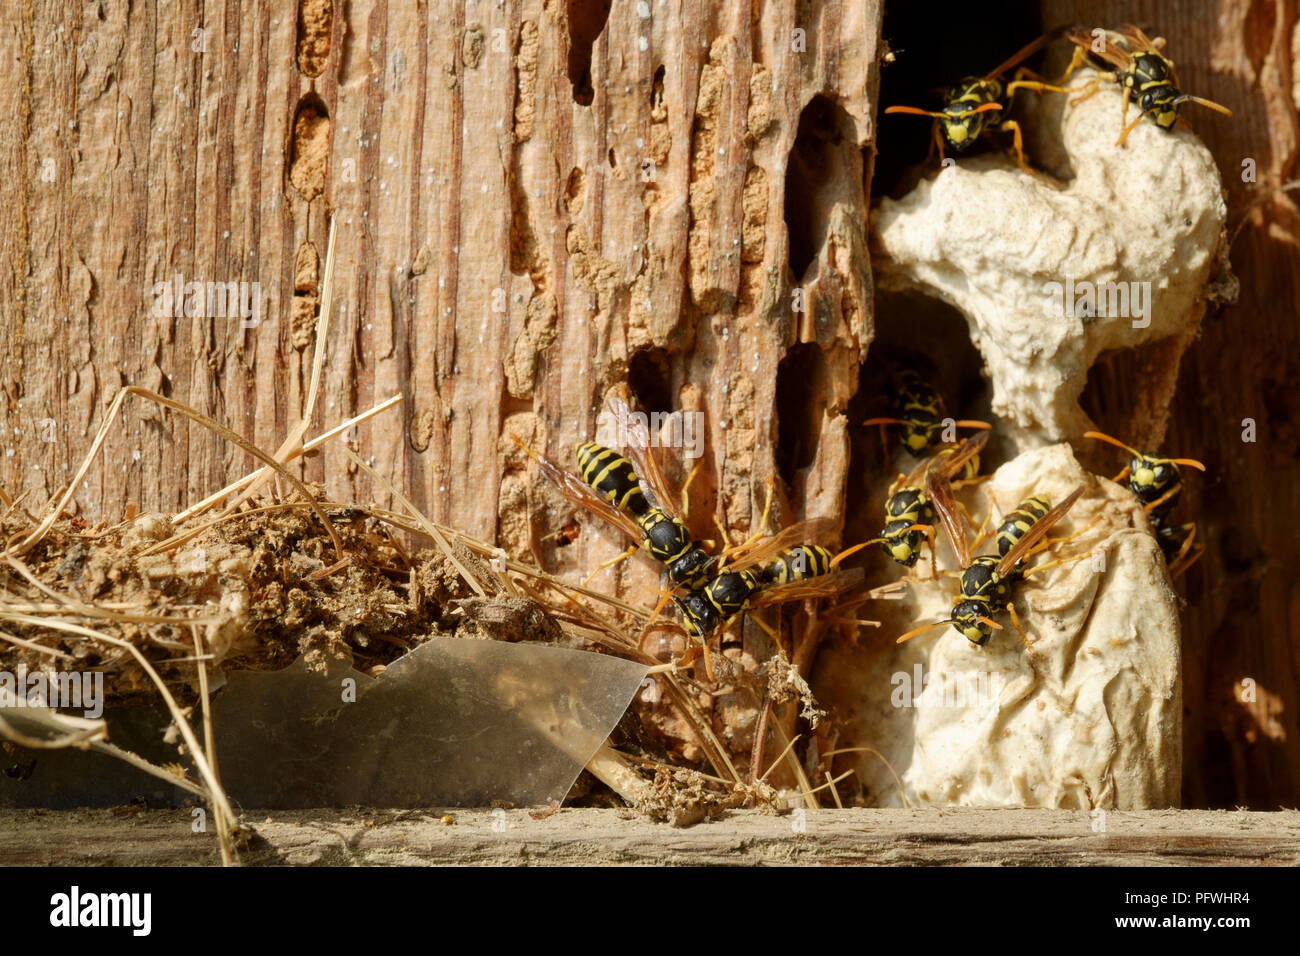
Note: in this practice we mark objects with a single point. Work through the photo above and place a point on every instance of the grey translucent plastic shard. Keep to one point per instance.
(454, 723)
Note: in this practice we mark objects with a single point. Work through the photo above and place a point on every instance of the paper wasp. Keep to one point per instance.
(919, 409)
(611, 488)
(665, 538)
(909, 514)
(1132, 59)
(1157, 483)
(765, 572)
(987, 582)
(969, 106)
(709, 590)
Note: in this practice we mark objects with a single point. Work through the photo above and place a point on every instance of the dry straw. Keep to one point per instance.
(46, 615)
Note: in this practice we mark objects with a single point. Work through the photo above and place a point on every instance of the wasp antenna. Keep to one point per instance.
(1208, 104)
(884, 421)
(990, 622)
(1189, 462)
(531, 454)
(984, 108)
(914, 111)
(971, 423)
(1101, 436)
(922, 629)
(853, 550)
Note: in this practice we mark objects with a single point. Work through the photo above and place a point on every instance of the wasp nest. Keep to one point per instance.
(1118, 249)
(1051, 276)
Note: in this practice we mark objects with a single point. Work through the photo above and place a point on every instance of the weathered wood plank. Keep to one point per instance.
(613, 837)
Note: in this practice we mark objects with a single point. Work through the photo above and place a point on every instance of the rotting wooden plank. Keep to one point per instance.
(504, 249)
(609, 837)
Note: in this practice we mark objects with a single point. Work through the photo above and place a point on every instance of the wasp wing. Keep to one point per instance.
(1040, 528)
(948, 459)
(1135, 41)
(639, 448)
(765, 549)
(1023, 53)
(939, 491)
(824, 585)
(1113, 51)
(581, 494)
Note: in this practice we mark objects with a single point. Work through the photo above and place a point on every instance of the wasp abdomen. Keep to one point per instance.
(612, 476)
(798, 563)
(1017, 524)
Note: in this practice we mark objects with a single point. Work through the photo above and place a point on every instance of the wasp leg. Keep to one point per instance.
(1089, 89)
(983, 531)
(632, 549)
(1017, 144)
(1177, 566)
(1036, 83)
(1133, 125)
(1058, 563)
(968, 482)
(934, 567)
(766, 628)
(664, 597)
(686, 497)
(1128, 95)
(1024, 638)
(937, 141)
(1148, 508)
(693, 654)
(1078, 59)
(1048, 543)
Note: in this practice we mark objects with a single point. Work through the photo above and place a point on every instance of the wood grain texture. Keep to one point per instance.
(1242, 619)
(613, 837)
(529, 194)
(503, 259)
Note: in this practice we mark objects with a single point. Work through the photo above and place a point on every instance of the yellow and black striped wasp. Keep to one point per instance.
(613, 489)
(1157, 483)
(1132, 59)
(919, 409)
(988, 581)
(969, 107)
(665, 537)
(764, 572)
(909, 515)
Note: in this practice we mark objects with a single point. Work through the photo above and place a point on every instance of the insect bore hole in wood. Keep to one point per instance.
(310, 152)
(816, 173)
(800, 408)
(586, 21)
(648, 376)
(315, 29)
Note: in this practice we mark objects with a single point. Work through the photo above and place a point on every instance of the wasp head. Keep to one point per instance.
(699, 615)
(900, 544)
(966, 621)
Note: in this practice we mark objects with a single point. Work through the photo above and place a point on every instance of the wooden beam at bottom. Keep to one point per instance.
(133, 837)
